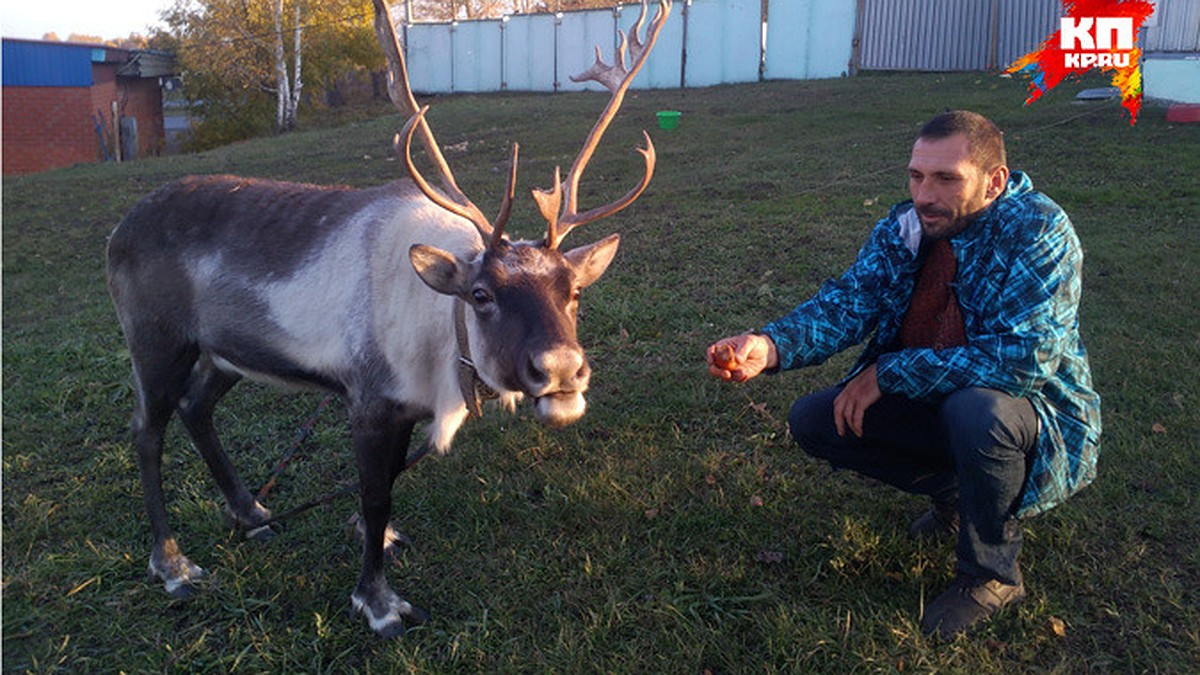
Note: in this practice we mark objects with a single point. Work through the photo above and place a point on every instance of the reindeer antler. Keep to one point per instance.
(491, 232)
(616, 78)
(450, 197)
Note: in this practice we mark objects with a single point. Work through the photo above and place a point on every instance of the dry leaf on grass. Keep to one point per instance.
(769, 557)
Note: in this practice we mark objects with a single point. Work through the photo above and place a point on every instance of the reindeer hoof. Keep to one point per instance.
(417, 616)
(392, 630)
(248, 520)
(261, 534)
(387, 614)
(180, 590)
(179, 577)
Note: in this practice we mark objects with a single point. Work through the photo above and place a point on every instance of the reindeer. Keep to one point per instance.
(404, 299)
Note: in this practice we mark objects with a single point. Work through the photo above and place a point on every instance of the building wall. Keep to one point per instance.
(54, 127)
(143, 100)
(137, 98)
(47, 127)
(104, 92)
(55, 96)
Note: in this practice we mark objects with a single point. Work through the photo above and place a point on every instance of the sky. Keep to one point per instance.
(34, 18)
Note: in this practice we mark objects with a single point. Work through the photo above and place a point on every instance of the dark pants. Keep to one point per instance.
(972, 449)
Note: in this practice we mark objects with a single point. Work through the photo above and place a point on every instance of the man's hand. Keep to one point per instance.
(850, 405)
(741, 357)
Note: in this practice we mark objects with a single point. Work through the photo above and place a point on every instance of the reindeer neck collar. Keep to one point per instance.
(474, 390)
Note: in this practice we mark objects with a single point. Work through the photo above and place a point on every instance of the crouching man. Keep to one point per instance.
(974, 387)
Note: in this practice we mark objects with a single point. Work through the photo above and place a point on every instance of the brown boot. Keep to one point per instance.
(941, 520)
(968, 602)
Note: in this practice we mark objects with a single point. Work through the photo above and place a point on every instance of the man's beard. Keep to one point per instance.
(953, 225)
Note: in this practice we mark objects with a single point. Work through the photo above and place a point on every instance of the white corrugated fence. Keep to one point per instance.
(709, 42)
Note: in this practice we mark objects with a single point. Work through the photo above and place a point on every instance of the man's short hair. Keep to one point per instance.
(985, 141)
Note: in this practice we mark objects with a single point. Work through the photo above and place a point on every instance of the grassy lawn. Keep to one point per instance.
(675, 528)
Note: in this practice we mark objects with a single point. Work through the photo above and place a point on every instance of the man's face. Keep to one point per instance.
(948, 188)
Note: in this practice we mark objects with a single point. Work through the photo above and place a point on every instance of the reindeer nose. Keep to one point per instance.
(562, 369)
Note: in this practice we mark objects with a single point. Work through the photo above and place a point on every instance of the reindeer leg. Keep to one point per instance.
(159, 375)
(206, 386)
(393, 539)
(381, 432)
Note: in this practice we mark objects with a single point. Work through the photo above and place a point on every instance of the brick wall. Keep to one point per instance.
(52, 127)
(47, 127)
(142, 98)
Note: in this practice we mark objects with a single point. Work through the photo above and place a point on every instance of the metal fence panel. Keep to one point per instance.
(430, 57)
(1175, 27)
(663, 69)
(528, 65)
(1023, 25)
(579, 33)
(477, 52)
(809, 38)
(709, 42)
(932, 35)
(723, 42)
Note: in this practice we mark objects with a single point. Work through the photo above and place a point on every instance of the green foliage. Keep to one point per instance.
(222, 113)
(226, 52)
(675, 528)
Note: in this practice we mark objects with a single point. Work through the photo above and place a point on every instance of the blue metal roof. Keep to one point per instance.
(46, 64)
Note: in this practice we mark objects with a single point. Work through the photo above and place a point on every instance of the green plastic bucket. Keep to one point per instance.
(668, 119)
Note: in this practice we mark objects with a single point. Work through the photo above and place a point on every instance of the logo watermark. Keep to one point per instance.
(1092, 34)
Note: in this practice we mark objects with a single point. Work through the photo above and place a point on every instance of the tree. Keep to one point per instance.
(571, 5)
(134, 41)
(451, 10)
(83, 38)
(287, 93)
(454, 10)
(238, 57)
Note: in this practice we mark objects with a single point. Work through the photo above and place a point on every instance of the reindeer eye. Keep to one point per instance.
(481, 296)
(575, 294)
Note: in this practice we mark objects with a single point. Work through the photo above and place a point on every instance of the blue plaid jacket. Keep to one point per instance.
(1018, 283)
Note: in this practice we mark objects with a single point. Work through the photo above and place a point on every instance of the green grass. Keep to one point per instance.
(675, 528)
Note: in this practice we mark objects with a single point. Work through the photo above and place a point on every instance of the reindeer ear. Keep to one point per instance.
(589, 262)
(439, 269)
